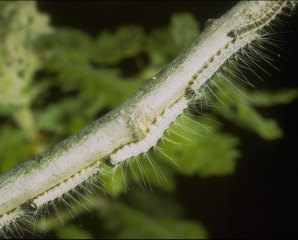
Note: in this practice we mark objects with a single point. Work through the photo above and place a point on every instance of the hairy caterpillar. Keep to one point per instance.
(216, 61)
(214, 65)
(64, 187)
(156, 131)
(8, 220)
(11, 223)
(242, 37)
(263, 19)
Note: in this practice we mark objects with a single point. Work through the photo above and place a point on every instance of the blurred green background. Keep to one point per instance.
(60, 72)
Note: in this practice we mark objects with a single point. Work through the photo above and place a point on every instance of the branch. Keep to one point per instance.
(132, 121)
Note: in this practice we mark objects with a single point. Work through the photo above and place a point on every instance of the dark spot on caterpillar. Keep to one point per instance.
(108, 162)
(33, 206)
(233, 34)
(189, 92)
(29, 205)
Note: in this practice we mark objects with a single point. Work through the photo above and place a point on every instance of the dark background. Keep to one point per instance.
(260, 199)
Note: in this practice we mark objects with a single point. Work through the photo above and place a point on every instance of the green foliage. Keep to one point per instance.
(54, 82)
(150, 217)
(130, 223)
(111, 49)
(20, 27)
(196, 157)
(163, 45)
(73, 232)
(12, 139)
(245, 114)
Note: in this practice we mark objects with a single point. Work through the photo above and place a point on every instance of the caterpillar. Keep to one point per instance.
(9, 221)
(156, 130)
(264, 18)
(12, 221)
(66, 186)
(242, 37)
(215, 62)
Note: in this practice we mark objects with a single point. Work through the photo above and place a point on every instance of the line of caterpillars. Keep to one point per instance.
(257, 23)
(213, 65)
(8, 220)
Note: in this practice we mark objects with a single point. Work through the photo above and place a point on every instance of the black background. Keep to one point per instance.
(260, 199)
